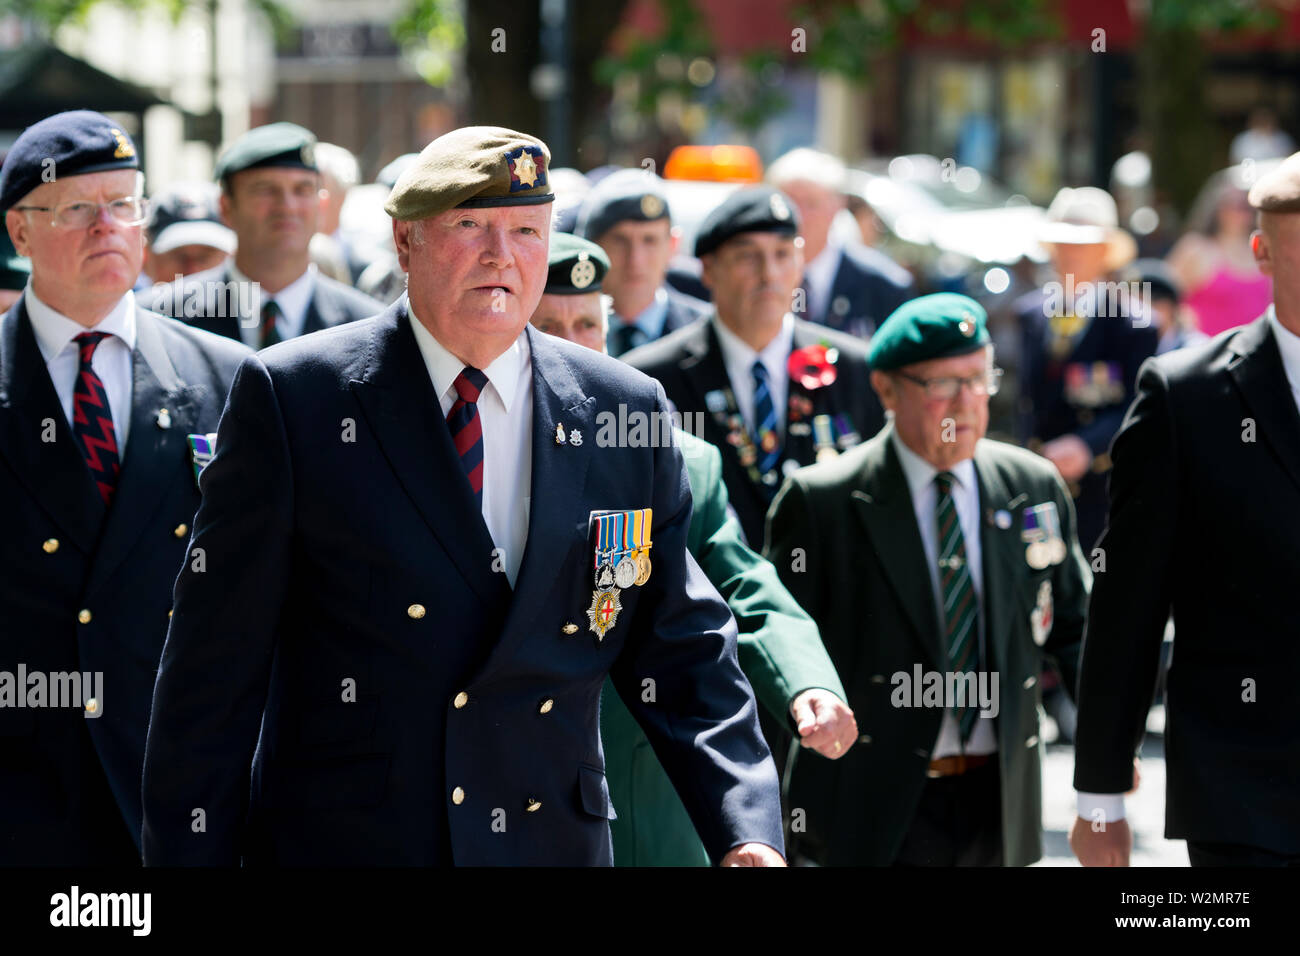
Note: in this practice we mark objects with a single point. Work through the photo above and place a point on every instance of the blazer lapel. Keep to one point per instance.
(398, 400)
(1002, 557)
(53, 471)
(1261, 378)
(320, 309)
(155, 456)
(559, 509)
(884, 505)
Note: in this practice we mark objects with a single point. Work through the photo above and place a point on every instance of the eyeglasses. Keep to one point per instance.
(947, 388)
(81, 214)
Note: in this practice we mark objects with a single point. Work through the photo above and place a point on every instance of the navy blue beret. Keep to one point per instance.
(756, 209)
(635, 194)
(65, 144)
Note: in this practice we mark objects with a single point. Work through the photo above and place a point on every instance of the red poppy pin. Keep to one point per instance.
(813, 366)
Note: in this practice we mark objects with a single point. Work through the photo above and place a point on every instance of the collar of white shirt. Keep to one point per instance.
(293, 299)
(739, 357)
(1288, 343)
(502, 374)
(920, 473)
(55, 331)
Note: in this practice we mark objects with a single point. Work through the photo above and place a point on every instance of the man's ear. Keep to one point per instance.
(1263, 253)
(706, 270)
(674, 240)
(884, 386)
(227, 203)
(16, 223)
(402, 241)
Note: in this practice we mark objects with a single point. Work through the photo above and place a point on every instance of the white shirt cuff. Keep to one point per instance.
(1111, 806)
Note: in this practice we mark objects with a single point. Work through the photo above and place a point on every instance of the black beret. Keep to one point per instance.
(276, 144)
(756, 209)
(575, 266)
(65, 144)
(635, 194)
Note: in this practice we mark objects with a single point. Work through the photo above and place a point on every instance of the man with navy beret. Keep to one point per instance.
(940, 567)
(270, 291)
(426, 548)
(627, 214)
(105, 409)
(732, 368)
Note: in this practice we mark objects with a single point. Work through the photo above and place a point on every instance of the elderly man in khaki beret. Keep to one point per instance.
(422, 555)
(1204, 524)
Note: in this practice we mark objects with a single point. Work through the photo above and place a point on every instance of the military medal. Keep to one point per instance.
(824, 437)
(625, 567)
(1042, 536)
(603, 613)
(604, 569)
(642, 569)
(641, 521)
(202, 448)
(559, 433)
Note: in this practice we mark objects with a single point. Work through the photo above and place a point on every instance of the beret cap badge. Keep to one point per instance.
(124, 150)
(652, 206)
(779, 209)
(527, 168)
(583, 272)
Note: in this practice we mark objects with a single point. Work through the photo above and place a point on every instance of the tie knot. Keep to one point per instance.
(945, 480)
(759, 370)
(87, 342)
(469, 383)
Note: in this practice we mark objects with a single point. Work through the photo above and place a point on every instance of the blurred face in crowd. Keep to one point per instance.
(82, 273)
(752, 277)
(1276, 245)
(183, 260)
(578, 318)
(942, 431)
(817, 208)
(475, 276)
(1236, 216)
(639, 253)
(1085, 261)
(273, 210)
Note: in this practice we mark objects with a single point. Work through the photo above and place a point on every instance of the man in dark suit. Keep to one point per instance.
(269, 291)
(1204, 499)
(98, 489)
(627, 215)
(847, 286)
(933, 560)
(731, 371)
(403, 525)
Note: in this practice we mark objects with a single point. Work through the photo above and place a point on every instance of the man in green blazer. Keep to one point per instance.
(780, 650)
(941, 568)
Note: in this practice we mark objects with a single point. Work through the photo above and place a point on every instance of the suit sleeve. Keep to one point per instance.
(212, 681)
(1071, 580)
(1130, 599)
(679, 675)
(780, 649)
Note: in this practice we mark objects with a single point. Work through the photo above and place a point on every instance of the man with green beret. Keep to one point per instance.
(941, 567)
(269, 291)
(422, 562)
(780, 650)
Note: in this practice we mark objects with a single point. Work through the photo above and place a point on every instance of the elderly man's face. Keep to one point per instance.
(753, 278)
(578, 318)
(817, 208)
(77, 270)
(475, 276)
(943, 432)
(1085, 261)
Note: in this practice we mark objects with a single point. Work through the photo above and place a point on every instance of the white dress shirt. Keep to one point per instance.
(111, 361)
(738, 358)
(1111, 805)
(505, 410)
(293, 300)
(819, 278)
(920, 475)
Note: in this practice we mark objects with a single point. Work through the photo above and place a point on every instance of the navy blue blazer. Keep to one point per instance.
(867, 287)
(85, 589)
(203, 301)
(309, 701)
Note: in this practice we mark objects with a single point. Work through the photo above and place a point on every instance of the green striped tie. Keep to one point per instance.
(958, 593)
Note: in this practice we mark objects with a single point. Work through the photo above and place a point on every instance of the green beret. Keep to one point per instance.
(472, 167)
(277, 144)
(575, 266)
(929, 327)
(1279, 189)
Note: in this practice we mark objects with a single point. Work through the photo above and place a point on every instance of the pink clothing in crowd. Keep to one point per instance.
(1229, 300)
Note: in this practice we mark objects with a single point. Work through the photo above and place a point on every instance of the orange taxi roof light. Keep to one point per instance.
(718, 164)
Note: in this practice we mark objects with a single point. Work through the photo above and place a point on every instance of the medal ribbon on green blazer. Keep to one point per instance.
(958, 594)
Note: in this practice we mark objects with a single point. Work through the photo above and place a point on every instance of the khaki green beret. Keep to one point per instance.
(472, 167)
(929, 327)
(1279, 189)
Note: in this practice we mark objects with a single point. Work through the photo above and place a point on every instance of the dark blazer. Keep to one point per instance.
(351, 597)
(1204, 523)
(689, 364)
(1050, 408)
(204, 300)
(82, 589)
(682, 311)
(864, 581)
(868, 286)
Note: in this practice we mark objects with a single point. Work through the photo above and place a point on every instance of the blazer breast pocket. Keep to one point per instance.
(593, 793)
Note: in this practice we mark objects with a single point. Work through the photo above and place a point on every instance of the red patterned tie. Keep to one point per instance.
(92, 419)
(466, 429)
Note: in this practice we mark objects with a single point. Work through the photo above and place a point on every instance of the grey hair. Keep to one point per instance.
(809, 165)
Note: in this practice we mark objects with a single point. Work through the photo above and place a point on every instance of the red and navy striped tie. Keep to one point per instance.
(92, 419)
(466, 429)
